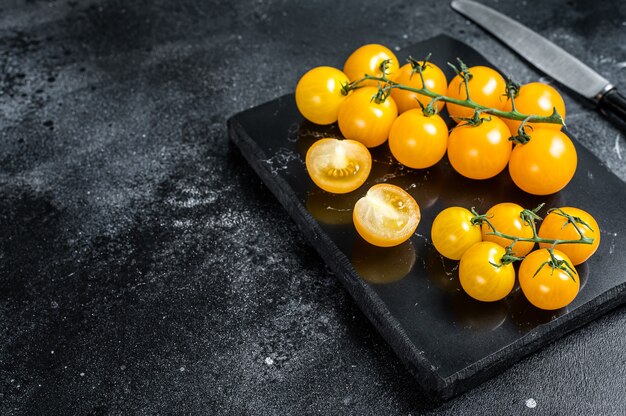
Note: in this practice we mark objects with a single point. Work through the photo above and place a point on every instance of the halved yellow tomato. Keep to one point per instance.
(386, 216)
(338, 166)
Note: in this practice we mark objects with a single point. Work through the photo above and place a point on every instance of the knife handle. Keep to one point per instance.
(615, 103)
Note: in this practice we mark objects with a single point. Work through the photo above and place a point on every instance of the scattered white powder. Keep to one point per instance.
(531, 403)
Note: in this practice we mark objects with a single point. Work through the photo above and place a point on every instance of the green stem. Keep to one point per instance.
(534, 239)
(584, 240)
(529, 216)
(554, 118)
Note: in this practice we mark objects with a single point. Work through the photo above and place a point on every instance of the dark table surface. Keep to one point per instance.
(145, 269)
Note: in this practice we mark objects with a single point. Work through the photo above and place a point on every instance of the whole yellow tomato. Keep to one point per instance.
(418, 141)
(363, 119)
(557, 227)
(545, 287)
(434, 80)
(482, 275)
(486, 88)
(539, 99)
(545, 164)
(319, 94)
(367, 60)
(506, 218)
(482, 151)
(452, 232)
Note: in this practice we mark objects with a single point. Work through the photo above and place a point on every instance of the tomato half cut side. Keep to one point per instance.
(386, 216)
(338, 166)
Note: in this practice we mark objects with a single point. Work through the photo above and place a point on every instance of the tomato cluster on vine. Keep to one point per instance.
(487, 245)
(375, 100)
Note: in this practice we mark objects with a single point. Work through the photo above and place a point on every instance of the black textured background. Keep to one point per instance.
(144, 268)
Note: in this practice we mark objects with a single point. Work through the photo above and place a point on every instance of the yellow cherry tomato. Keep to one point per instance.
(434, 78)
(361, 118)
(452, 232)
(482, 275)
(319, 94)
(367, 60)
(482, 151)
(418, 141)
(545, 287)
(506, 218)
(338, 166)
(486, 88)
(557, 227)
(386, 216)
(545, 164)
(539, 99)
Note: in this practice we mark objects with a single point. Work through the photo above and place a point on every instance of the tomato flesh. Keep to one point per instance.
(338, 166)
(386, 216)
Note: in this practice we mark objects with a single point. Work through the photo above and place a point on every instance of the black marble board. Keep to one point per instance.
(448, 341)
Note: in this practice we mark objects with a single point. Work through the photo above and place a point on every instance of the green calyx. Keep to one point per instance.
(462, 70)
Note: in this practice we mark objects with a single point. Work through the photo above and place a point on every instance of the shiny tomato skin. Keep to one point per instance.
(319, 94)
(386, 216)
(482, 151)
(505, 217)
(362, 119)
(544, 165)
(548, 289)
(452, 232)
(434, 78)
(367, 60)
(418, 141)
(338, 166)
(556, 227)
(539, 99)
(480, 278)
(486, 88)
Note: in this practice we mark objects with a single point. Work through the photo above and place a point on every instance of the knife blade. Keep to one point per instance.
(546, 56)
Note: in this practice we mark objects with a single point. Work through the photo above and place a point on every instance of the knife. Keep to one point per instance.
(546, 56)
